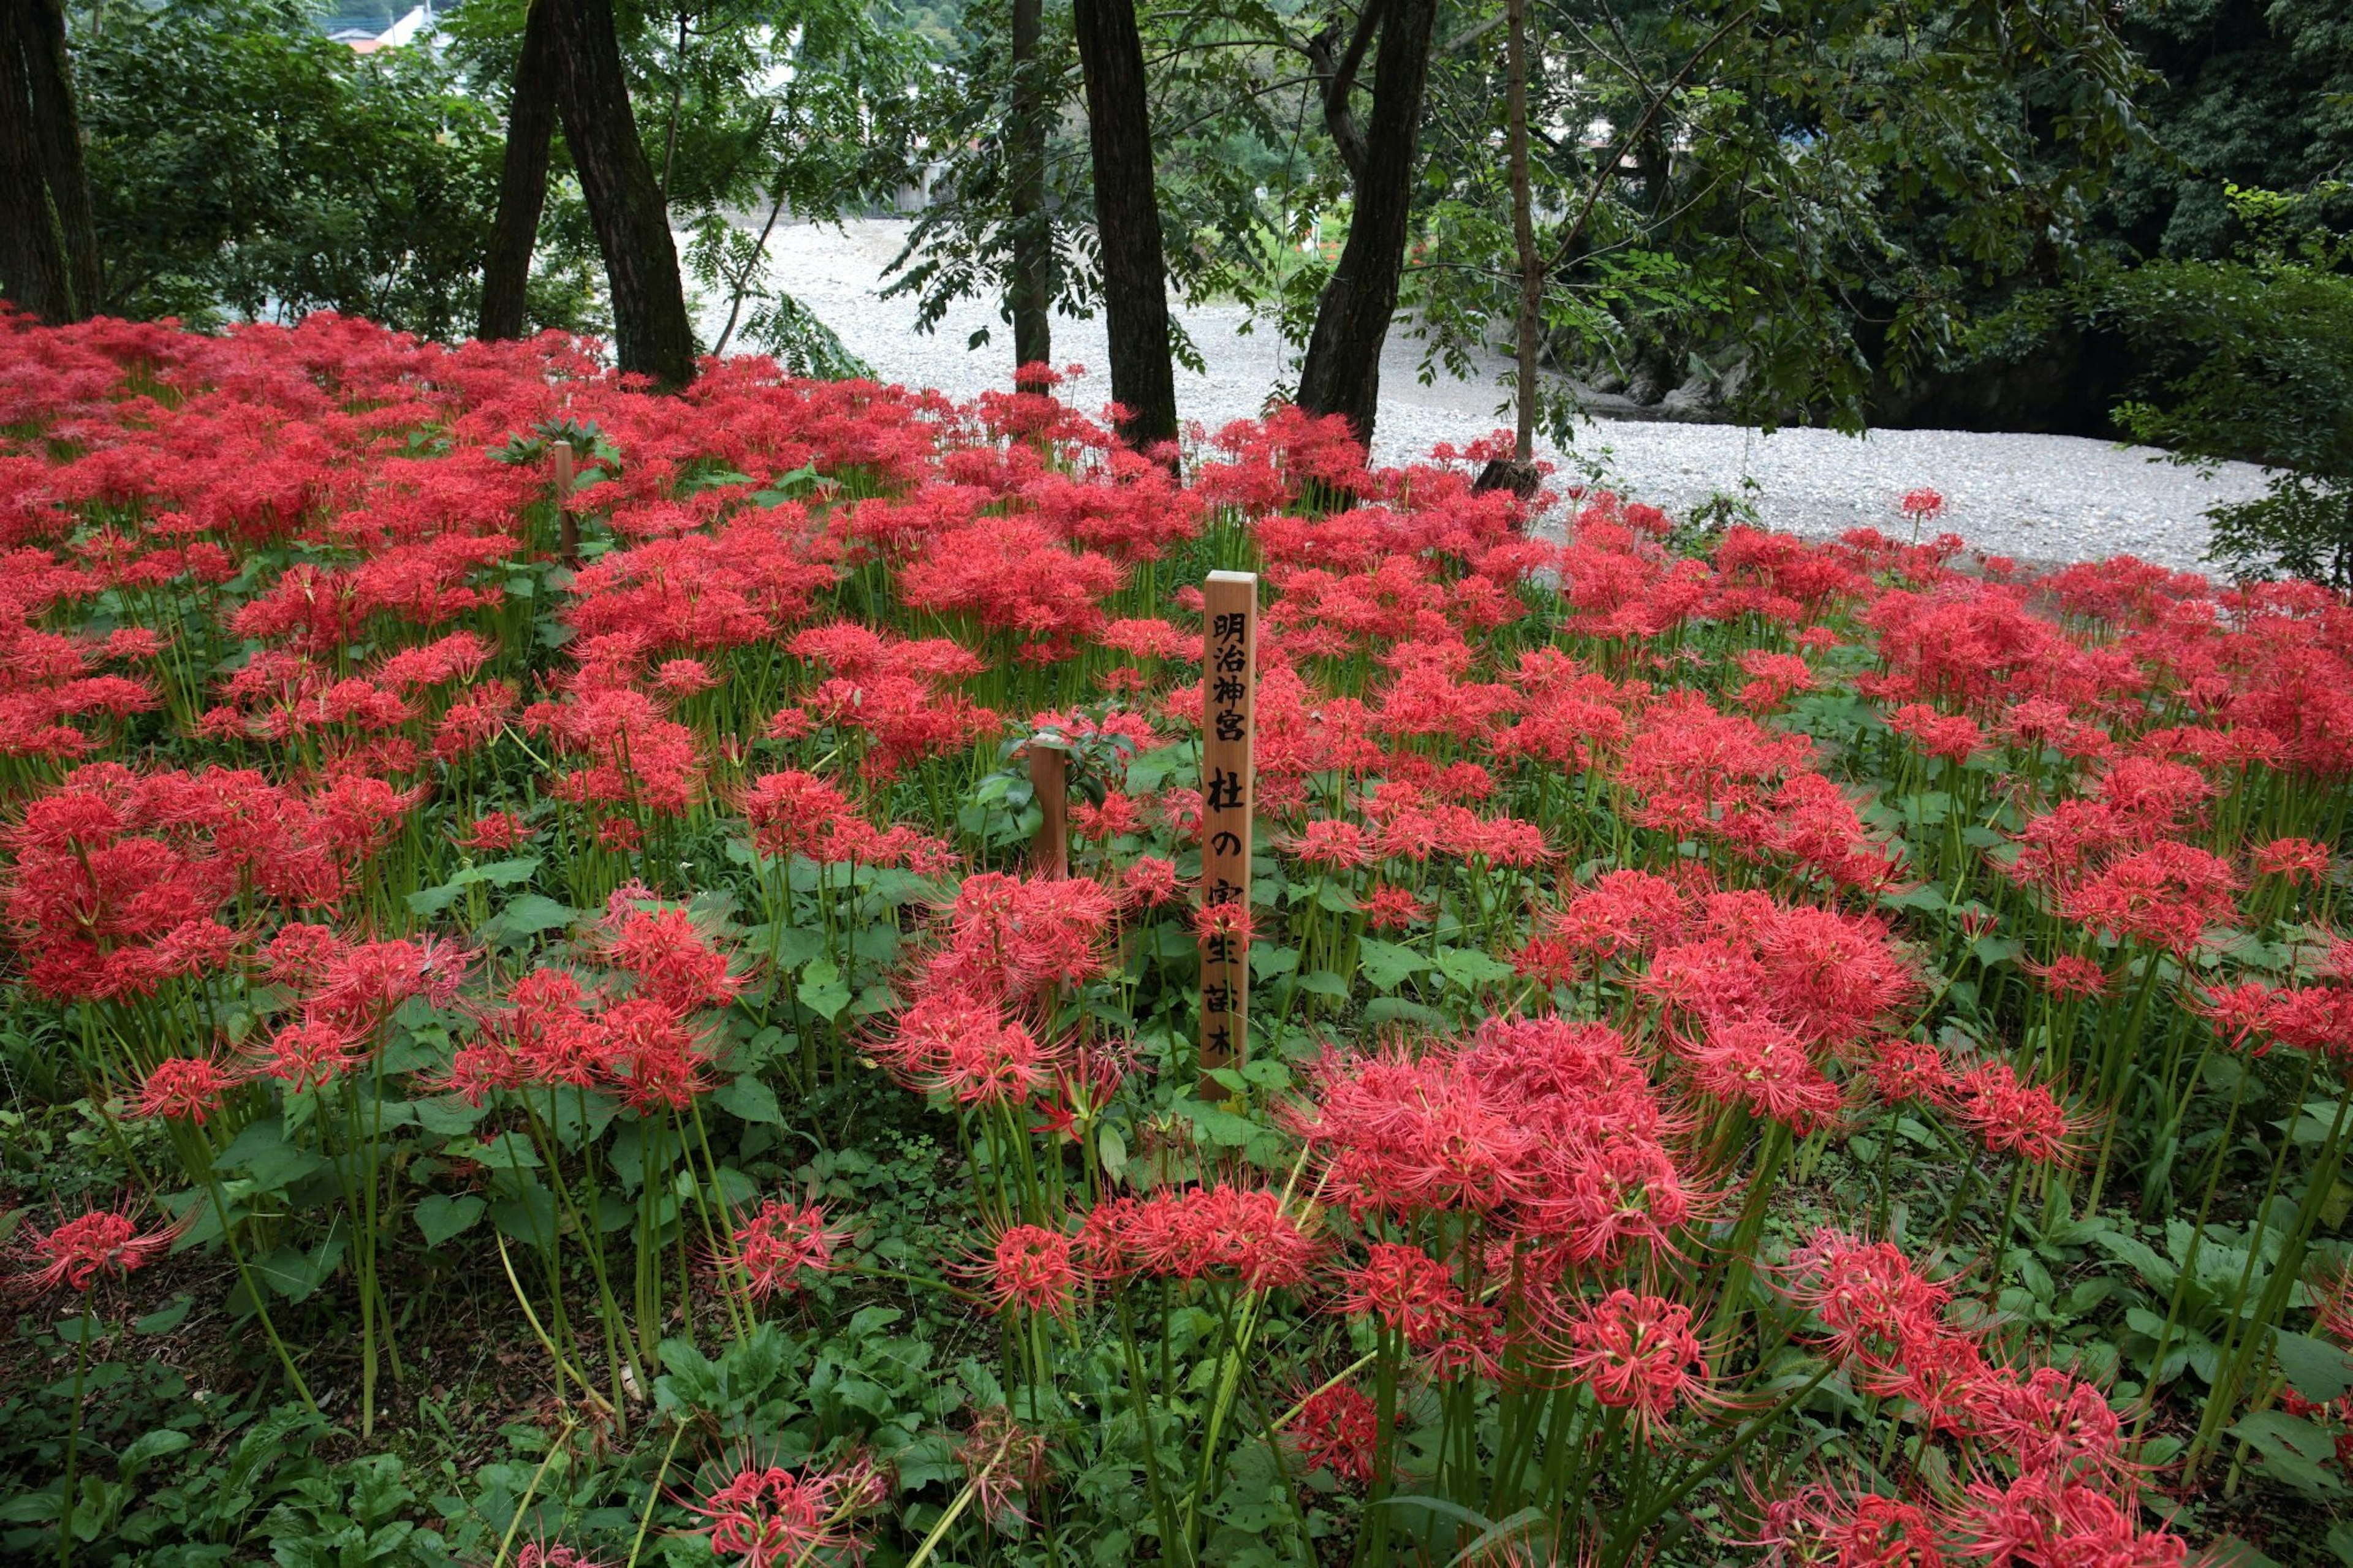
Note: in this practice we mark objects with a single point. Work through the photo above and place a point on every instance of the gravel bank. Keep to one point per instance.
(2038, 497)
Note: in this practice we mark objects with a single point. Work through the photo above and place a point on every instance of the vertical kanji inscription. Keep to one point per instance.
(1229, 713)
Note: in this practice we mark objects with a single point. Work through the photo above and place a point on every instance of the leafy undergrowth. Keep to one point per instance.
(537, 1038)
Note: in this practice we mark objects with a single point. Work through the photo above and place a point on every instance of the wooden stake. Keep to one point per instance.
(1228, 776)
(560, 459)
(1050, 773)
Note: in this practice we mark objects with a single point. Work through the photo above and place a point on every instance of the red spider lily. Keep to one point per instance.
(2168, 896)
(769, 1516)
(1952, 737)
(184, 1088)
(1219, 1231)
(952, 1043)
(1338, 1429)
(1637, 1353)
(1149, 881)
(551, 1554)
(493, 832)
(311, 1053)
(1413, 1295)
(2041, 1517)
(1904, 1070)
(1006, 1465)
(1762, 1065)
(2070, 977)
(1922, 504)
(2240, 1014)
(1031, 1268)
(77, 1252)
(2297, 859)
(1330, 845)
(1867, 1294)
(1392, 908)
(2014, 1117)
(779, 1240)
(1819, 1526)
(670, 956)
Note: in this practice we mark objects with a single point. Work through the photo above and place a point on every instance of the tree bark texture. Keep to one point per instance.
(1343, 370)
(48, 239)
(1028, 290)
(1127, 221)
(625, 202)
(1524, 235)
(522, 179)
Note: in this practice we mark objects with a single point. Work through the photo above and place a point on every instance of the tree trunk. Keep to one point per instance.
(1518, 473)
(624, 197)
(1127, 221)
(48, 240)
(522, 179)
(1343, 370)
(1028, 292)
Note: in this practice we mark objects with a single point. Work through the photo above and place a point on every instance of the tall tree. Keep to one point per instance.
(1127, 220)
(1029, 289)
(625, 199)
(522, 179)
(1342, 373)
(48, 243)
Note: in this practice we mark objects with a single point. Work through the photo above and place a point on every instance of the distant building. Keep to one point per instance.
(367, 25)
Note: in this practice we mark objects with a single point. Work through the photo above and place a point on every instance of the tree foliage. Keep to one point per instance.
(2249, 360)
(243, 167)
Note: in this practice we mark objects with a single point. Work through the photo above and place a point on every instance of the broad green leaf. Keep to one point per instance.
(527, 916)
(1470, 969)
(1386, 965)
(2315, 1369)
(747, 1096)
(821, 989)
(442, 1215)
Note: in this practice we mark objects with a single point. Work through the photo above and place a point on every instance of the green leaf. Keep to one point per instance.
(1388, 966)
(527, 916)
(296, 1274)
(2317, 1369)
(163, 1320)
(269, 1161)
(1111, 1148)
(443, 1216)
(448, 1115)
(747, 1096)
(2293, 1449)
(1323, 983)
(150, 1446)
(1470, 969)
(1267, 961)
(497, 874)
(821, 989)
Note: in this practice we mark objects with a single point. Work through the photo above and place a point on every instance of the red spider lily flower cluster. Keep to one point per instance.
(770, 1517)
(2045, 1475)
(780, 1240)
(76, 1254)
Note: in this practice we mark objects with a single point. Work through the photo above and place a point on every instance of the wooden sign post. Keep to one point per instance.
(560, 459)
(1229, 771)
(1050, 786)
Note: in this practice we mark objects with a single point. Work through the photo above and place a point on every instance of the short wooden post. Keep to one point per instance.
(1049, 785)
(560, 460)
(1229, 771)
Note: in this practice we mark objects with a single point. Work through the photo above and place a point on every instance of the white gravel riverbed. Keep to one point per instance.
(2037, 498)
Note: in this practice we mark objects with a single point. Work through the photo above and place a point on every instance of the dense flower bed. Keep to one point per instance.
(1722, 1007)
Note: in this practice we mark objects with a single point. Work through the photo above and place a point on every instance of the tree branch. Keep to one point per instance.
(1338, 74)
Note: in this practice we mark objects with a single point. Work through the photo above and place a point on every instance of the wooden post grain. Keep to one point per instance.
(1228, 770)
(560, 460)
(1049, 771)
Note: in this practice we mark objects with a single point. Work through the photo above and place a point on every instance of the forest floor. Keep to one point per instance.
(2037, 498)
